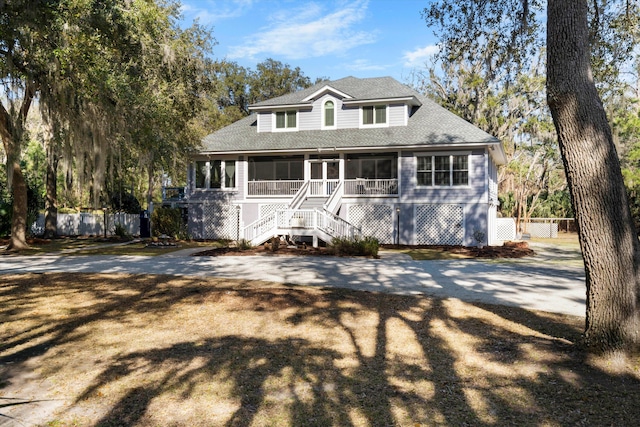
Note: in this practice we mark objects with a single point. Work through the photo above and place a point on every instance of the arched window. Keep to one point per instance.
(329, 114)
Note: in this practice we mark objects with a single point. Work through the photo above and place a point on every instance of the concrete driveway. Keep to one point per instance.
(533, 283)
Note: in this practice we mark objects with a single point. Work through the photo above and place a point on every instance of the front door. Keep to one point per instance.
(325, 175)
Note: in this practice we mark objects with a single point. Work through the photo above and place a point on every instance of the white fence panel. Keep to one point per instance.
(505, 229)
(540, 229)
(85, 224)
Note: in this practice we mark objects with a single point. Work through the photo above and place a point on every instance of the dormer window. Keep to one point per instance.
(329, 115)
(374, 115)
(286, 120)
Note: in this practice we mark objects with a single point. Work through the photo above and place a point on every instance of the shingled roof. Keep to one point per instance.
(428, 125)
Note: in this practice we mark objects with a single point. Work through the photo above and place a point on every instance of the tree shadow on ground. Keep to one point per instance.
(315, 357)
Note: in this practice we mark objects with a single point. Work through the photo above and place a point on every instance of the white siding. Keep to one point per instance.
(264, 122)
(397, 113)
(310, 119)
(348, 117)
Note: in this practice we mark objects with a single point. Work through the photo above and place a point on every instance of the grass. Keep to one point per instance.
(155, 350)
(100, 246)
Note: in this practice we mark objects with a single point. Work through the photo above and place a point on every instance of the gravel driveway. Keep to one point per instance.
(551, 281)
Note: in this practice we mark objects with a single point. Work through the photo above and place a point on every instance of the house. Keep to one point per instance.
(368, 157)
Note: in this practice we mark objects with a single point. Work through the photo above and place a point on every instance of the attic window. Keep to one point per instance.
(374, 115)
(329, 118)
(286, 119)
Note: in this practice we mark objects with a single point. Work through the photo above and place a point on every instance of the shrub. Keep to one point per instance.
(121, 231)
(365, 246)
(167, 221)
(244, 244)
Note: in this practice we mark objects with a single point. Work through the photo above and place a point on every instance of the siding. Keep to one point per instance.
(397, 113)
(264, 122)
(310, 119)
(348, 117)
(474, 193)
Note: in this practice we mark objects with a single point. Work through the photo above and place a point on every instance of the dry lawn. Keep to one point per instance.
(162, 351)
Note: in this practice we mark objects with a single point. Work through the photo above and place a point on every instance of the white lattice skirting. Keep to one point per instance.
(219, 221)
(266, 210)
(439, 224)
(505, 229)
(373, 220)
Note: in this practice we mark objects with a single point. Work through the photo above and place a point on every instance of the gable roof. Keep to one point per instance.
(428, 126)
(361, 89)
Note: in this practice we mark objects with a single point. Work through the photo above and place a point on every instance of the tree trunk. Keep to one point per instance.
(51, 200)
(607, 234)
(11, 131)
(51, 186)
(19, 219)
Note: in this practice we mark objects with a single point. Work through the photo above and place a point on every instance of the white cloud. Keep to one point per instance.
(209, 12)
(419, 56)
(307, 33)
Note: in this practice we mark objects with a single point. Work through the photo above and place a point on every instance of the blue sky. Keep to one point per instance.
(325, 38)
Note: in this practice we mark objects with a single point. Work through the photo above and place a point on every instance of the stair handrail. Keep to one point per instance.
(259, 227)
(335, 198)
(336, 226)
(301, 194)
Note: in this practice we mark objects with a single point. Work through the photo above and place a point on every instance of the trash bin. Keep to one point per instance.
(145, 224)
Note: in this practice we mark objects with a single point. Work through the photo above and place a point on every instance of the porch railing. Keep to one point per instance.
(274, 188)
(370, 187)
(323, 187)
(352, 187)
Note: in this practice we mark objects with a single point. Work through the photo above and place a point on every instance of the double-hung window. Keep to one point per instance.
(442, 170)
(374, 115)
(286, 120)
(215, 174)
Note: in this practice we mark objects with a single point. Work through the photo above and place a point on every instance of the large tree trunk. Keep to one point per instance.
(607, 234)
(11, 131)
(19, 219)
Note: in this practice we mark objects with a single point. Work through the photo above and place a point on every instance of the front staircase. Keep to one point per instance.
(308, 214)
(316, 223)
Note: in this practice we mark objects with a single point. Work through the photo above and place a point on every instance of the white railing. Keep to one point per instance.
(274, 188)
(370, 187)
(335, 226)
(300, 218)
(352, 187)
(300, 196)
(334, 200)
(260, 227)
(323, 187)
(286, 220)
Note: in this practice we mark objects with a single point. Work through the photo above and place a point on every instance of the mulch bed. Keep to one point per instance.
(509, 250)
(262, 250)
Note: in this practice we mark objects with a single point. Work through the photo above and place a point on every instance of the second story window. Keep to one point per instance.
(286, 119)
(329, 114)
(374, 115)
